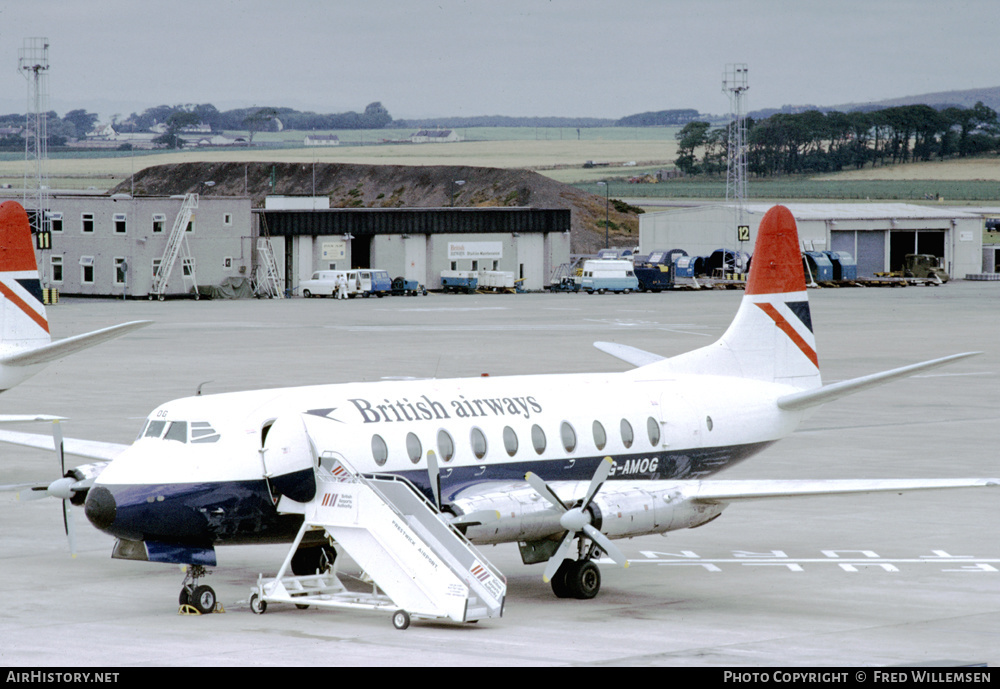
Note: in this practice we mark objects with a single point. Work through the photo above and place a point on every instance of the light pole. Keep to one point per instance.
(606, 202)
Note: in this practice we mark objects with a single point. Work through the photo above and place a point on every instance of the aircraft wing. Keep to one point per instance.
(91, 449)
(628, 354)
(58, 350)
(744, 490)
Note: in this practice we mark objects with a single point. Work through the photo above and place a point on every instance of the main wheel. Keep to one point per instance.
(400, 619)
(185, 597)
(559, 585)
(203, 599)
(583, 580)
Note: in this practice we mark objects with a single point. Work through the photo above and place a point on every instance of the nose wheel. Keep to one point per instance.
(198, 596)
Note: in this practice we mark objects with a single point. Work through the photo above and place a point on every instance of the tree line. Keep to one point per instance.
(815, 142)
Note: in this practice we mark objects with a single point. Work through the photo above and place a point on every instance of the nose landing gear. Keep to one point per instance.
(200, 597)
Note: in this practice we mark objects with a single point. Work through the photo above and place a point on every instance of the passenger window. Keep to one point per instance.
(538, 438)
(154, 429)
(627, 435)
(446, 447)
(413, 447)
(568, 436)
(510, 440)
(478, 443)
(178, 431)
(380, 453)
(653, 428)
(600, 437)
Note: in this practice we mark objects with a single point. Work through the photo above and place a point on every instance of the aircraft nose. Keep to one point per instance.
(100, 507)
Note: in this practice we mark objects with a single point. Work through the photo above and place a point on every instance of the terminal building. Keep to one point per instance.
(116, 245)
(877, 235)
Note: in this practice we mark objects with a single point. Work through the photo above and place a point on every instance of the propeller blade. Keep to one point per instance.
(434, 472)
(57, 440)
(600, 476)
(70, 526)
(556, 560)
(606, 545)
(36, 493)
(542, 488)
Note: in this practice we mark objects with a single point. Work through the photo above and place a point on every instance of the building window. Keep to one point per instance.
(55, 222)
(159, 222)
(120, 226)
(188, 265)
(227, 218)
(57, 268)
(156, 266)
(190, 227)
(87, 223)
(227, 263)
(87, 270)
(120, 270)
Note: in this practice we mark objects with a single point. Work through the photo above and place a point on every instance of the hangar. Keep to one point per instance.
(114, 245)
(877, 235)
(419, 243)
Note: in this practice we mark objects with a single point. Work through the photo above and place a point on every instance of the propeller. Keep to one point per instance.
(576, 520)
(68, 488)
(463, 521)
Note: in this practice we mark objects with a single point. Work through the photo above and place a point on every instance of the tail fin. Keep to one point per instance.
(771, 338)
(23, 323)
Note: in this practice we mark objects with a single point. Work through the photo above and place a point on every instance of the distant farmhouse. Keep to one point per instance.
(435, 136)
(321, 140)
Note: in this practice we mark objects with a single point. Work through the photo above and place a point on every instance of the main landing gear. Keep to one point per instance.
(580, 578)
(198, 596)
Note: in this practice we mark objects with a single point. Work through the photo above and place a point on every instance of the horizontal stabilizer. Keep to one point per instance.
(57, 350)
(737, 490)
(91, 449)
(630, 355)
(810, 398)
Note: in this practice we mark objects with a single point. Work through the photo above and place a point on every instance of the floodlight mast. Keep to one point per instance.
(735, 84)
(33, 64)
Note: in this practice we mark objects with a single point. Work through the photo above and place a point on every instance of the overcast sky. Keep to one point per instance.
(578, 58)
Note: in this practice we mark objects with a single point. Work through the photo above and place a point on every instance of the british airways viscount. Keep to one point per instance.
(563, 460)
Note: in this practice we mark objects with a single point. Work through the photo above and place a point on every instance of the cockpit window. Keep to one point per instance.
(202, 432)
(178, 431)
(154, 429)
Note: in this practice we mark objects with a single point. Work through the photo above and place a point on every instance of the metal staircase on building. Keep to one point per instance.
(421, 566)
(267, 281)
(177, 245)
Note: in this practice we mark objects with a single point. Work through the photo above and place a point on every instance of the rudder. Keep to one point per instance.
(23, 322)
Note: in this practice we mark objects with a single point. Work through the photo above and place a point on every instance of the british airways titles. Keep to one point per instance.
(427, 409)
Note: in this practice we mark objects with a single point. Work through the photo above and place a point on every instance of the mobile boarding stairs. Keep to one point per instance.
(421, 566)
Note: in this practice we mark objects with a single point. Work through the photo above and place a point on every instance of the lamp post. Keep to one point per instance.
(606, 203)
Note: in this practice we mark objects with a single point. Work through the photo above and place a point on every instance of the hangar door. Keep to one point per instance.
(866, 246)
(914, 242)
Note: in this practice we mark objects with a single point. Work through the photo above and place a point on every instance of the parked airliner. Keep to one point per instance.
(565, 463)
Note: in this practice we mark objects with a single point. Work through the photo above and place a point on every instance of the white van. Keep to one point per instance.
(608, 275)
(323, 283)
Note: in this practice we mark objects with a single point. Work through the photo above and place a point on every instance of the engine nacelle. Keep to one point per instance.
(618, 512)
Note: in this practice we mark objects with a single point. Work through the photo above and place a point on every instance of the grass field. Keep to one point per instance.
(559, 153)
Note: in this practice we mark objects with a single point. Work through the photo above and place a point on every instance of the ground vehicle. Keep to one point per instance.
(323, 283)
(373, 281)
(609, 275)
(924, 266)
